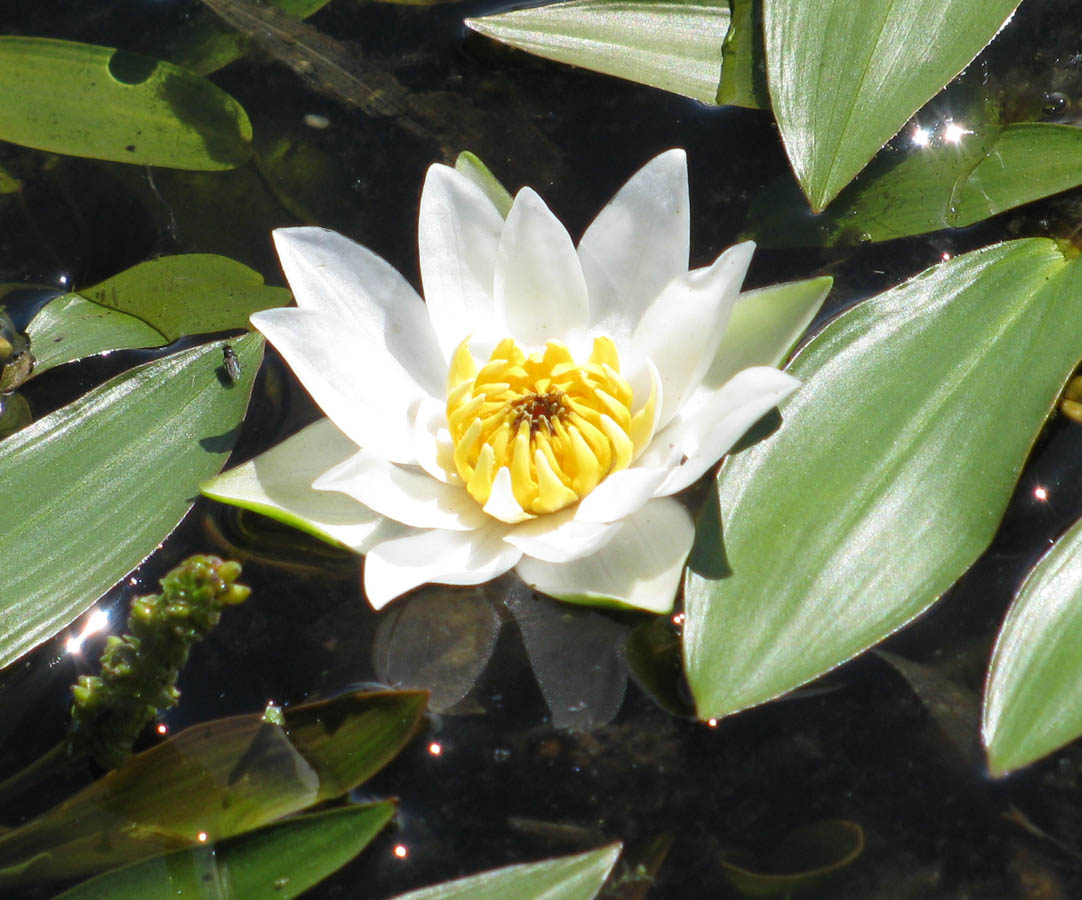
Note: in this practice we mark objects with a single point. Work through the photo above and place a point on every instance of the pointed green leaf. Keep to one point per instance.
(149, 305)
(218, 779)
(278, 862)
(845, 77)
(563, 878)
(1031, 699)
(888, 475)
(101, 103)
(743, 69)
(95, 486)
(943, 185)
(674, 45)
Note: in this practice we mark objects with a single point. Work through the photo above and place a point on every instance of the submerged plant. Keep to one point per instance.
(139, 669)
(536, 411)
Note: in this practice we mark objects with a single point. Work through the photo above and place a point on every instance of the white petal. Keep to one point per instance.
(637, 244)
(444, 557)
(458, 232)
(409, 496)
(561, 537)
(682, 328)
(640, 567)
(623, 492)
(432, 444)
(539, 288)
(707, 433)
(361, 386)
(330, 273)
(278, 484)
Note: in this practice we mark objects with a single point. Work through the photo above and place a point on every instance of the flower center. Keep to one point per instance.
(554, 426)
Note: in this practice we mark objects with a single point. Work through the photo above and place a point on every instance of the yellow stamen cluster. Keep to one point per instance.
(558, 427)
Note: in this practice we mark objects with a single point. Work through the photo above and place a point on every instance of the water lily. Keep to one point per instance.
(537, 410)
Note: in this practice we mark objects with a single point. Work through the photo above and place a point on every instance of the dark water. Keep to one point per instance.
(882, 745)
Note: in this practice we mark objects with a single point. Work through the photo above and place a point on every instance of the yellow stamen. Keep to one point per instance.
(557, 426)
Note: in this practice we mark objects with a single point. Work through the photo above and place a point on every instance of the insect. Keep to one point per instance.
(231, 363)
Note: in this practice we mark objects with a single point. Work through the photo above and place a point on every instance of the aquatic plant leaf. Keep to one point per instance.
(94, 487)
(70, 328)
(888, 475)
(940, 186)
(653, 657)
(845, 77)
(675, 45)
(149, 305)
(801, 863)
(101, 103)
(743, 71)
(1031, 697)
(277, 862)
(221, 778)
(564, 878)
(204, 45)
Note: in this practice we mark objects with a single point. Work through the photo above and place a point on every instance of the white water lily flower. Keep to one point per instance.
(535, 412)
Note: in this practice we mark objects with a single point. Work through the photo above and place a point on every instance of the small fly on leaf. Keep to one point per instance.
(231, 363)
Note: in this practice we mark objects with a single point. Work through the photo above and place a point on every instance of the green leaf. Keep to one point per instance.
(218, 779)
(845, 77)
(102, 103)
(70, 328)
(278, 862)
(674, 45)
(1031, 699)
(943, 185)
(888, 476)
(149, 305)
(743, 69)
(563, 878)
(101, 481)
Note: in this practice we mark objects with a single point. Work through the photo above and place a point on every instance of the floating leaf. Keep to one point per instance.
(563, 878)
(278, 862)
(149, 305)
(218, 779)
(674, 45)
(1031, 700)
(743, 71)
(102, 103)
(888, 476)
(70, 328)
(845, 77)
(94, 487)
(940, 186)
